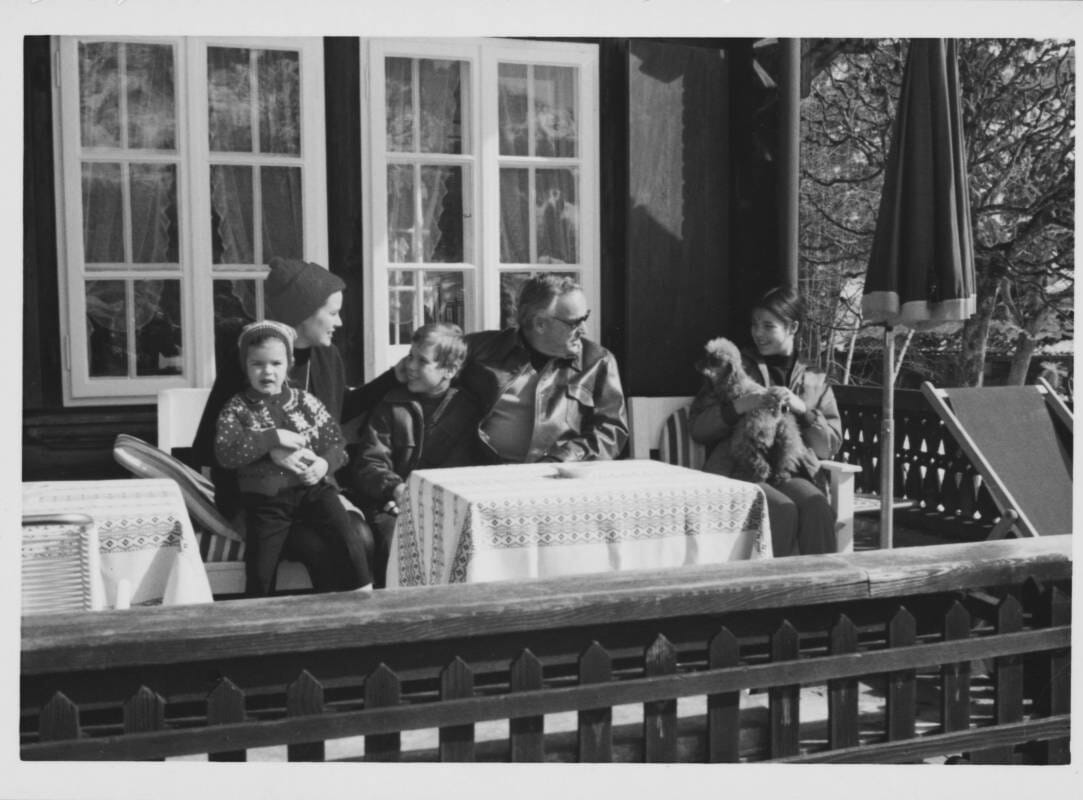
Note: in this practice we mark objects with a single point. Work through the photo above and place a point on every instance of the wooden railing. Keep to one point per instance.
(930, 467)
(985, 627)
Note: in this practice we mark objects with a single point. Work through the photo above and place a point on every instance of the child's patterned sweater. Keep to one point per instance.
(245, 435)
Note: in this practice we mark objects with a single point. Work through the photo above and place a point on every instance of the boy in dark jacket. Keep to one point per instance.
(271, 415)
(425, 424)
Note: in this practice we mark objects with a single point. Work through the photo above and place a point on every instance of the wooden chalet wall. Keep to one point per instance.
(678, 227)
(687, 227)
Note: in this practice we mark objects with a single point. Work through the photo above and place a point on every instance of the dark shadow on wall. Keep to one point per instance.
(678, 221)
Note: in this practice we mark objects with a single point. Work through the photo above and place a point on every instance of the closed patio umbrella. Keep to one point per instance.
(921, 270)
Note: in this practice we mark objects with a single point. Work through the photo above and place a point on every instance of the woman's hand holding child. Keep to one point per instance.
(314, 472)
(291, 440)
(296, 461)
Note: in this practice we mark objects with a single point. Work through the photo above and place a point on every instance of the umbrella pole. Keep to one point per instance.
(887, 443)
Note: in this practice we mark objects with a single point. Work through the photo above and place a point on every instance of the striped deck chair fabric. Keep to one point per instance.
(676, 446)
(219, 540)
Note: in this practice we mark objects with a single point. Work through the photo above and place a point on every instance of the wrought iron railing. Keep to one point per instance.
(930, 467)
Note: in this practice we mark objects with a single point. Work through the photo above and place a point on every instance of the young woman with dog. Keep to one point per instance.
(802, 520)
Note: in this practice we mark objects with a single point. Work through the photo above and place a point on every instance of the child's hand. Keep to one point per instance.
(291, 440)
(314, 472)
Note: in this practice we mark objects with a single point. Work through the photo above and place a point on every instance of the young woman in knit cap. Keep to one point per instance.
(308, 298)
(271, 415)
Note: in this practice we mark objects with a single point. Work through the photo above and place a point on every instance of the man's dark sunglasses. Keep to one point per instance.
(573, 323)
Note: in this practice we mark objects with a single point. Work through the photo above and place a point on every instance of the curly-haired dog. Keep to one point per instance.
(766, 443)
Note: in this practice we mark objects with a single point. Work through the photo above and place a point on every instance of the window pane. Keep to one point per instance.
(557, 216)
(283, 220)
(103, 214)
(154, 213)
(107, 328)
(441, 106)
(441, 299)
(514, 216)
(400, 213)
(401, 300)
(442, 205)
(229, 92)
(512, 109)
(158, 328)
(234, 304)
(511, 283)
(99, 94)
(279, 102)
(398, 86)
(231, 215)
(152, 122)
(555, 128)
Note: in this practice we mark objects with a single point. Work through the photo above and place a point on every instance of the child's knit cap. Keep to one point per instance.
(295, 290)
(261, 331)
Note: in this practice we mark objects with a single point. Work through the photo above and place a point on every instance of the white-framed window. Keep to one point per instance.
(184, 165)
(481, 168)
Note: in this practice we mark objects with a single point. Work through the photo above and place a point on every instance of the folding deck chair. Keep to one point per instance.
(1019, 439)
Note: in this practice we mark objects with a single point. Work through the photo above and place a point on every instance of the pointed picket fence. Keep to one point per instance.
(981, 629)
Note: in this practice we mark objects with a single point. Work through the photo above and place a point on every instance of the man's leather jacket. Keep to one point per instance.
(579, 410)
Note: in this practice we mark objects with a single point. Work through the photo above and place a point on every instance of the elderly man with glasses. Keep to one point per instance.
(550, 394)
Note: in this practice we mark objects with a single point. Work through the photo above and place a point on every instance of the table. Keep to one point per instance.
(145, 537)
(474, 524)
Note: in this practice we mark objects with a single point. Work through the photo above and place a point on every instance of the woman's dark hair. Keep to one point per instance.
(784, 302)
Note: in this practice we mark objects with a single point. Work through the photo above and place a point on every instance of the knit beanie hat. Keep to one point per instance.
(264, 329)
(295, 290)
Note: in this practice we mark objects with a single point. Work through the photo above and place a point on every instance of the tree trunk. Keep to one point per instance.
(850, 357)
(1025, 345)
(975, 336)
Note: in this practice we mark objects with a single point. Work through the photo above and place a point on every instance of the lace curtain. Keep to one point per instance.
(439, 130)
(275, 87)
(144, 73)
(537, 108)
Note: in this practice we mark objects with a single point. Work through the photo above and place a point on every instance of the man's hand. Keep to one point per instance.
(393, 505)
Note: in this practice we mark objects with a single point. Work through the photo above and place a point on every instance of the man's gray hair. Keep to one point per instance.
(538, 293)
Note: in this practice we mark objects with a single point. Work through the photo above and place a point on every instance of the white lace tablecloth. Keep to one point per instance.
(144, 535)
(474, 524)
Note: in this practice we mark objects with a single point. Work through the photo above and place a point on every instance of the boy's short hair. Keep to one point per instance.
(446, 338)
(257, 333)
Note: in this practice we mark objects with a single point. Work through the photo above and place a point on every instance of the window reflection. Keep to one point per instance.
(140, 318)
(419, 297)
